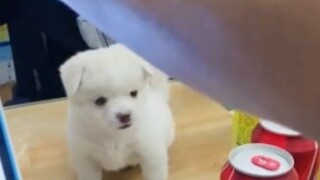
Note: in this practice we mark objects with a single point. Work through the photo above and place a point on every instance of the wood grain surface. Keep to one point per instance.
(200, 150)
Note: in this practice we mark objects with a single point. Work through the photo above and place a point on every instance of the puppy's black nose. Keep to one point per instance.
(124, 118)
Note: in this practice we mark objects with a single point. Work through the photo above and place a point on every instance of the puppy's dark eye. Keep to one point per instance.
(134, 93)
(100, 101)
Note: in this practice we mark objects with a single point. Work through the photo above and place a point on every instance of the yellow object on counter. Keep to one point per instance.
(242, 127)
(4, 34)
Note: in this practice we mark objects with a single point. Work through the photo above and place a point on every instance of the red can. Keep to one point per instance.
(304, 151)
(257, 162)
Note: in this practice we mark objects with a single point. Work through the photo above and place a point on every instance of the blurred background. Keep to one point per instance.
(36, 37)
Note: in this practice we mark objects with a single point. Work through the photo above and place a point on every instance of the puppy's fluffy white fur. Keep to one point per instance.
(97, 139)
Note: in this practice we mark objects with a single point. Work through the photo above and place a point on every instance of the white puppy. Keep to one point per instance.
(118, 113)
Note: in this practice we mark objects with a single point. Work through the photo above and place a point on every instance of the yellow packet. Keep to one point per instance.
(242, 127)
(4, 34)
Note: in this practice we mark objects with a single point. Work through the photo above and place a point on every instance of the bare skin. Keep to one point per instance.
(259, 56)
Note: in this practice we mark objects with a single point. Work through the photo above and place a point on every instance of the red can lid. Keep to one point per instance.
(278, 128)
(261, 160)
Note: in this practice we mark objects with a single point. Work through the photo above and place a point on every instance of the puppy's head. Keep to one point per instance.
(106, 85)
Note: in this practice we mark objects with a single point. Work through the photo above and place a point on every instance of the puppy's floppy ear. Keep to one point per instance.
(71, 74)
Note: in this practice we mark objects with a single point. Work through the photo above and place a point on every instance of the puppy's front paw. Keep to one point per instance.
(89, 176)
(87, 170)
(155, 167)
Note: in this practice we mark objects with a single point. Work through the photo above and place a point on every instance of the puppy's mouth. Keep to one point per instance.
(125, 126)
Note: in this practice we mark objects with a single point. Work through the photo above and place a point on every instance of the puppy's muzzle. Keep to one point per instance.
(124, 119)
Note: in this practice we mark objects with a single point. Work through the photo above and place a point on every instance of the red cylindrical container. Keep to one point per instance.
(258, 162)
(304, 151)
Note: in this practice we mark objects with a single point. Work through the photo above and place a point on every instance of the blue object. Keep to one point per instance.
(5, 51)
(8, 161)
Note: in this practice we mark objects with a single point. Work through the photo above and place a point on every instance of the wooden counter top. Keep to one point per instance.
(201, 148)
